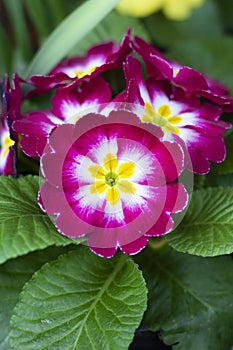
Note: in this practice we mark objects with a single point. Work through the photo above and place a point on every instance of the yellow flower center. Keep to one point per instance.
(162, 117)
(80, 74)
(111, 178)
(6, 144)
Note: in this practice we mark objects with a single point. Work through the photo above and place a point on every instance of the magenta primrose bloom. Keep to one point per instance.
(68, 104)
(98, 59)
(10, 111)
(7, 150)
(183, 120)
(112, 180)
(191, 81)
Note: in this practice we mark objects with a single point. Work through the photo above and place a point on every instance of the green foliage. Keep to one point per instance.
(190, 299)
(23, 226)
(16, 15)
(80, 301)
(207, 228)
(13, 275)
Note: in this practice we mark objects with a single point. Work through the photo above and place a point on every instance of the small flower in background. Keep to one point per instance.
(7, 150)
(69, 102)
(181, 118)
(111, 178)
(98, 59)
(193, 82)
(10, 111)
(173, 9)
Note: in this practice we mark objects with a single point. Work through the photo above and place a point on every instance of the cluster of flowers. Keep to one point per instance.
(112, 160)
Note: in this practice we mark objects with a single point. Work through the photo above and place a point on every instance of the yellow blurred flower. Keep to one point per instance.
(174, 9)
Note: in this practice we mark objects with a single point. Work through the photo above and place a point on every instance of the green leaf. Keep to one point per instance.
(18, 22)
(216, 57)
(68, 33)
(13, 275)
(6, 51)
(207, 228)
(112, 28)
(38, 14)
(190, 299)
(56, 10)
(80, 301)
(23, 226)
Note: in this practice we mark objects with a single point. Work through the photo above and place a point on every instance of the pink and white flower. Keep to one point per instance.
(184, 120)
(193, 82)
(68, 104)
(98, 59)
(7, 150)
(10, 111)
(112, 180)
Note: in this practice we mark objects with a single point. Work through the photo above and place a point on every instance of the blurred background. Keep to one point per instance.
(201, 38)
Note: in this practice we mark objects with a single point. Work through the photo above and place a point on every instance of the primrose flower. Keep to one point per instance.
(182, 119)
(112, 181)
(193, 82)
(7, 150)
(173, 9)
(98, 59)
(69, 102)
(10, 111)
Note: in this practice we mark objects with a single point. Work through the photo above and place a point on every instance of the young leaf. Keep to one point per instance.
(207, 228)
(23, 226)
(13, 275)
(80, 301)
(190, 299)
(68, 33)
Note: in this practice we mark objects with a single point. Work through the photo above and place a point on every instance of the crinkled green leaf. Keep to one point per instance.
(13, 275)
(23, 226)
(68, 33)
(190, 299)
(207, 228)
(80, 301)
